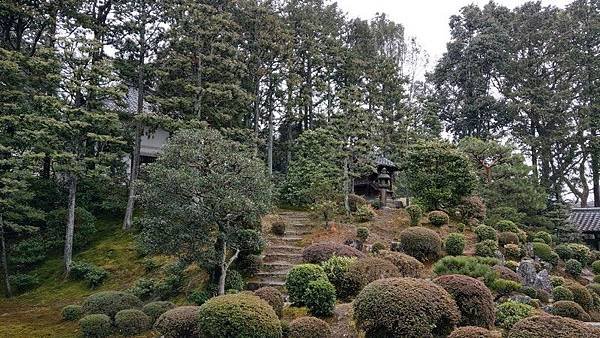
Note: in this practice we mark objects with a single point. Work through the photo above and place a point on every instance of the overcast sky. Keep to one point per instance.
(425, 19)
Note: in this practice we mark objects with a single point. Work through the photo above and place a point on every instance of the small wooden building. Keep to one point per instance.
(587, 221)
(379, 184)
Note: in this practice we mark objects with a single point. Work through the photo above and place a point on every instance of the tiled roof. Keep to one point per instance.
(586, 219)
(130, 102)
(382, 161)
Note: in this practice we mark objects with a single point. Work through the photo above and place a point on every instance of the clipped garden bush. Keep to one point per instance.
(336, 268)
(510, 312)
(512, 251)
(178, 322)
(506, 273)
(320, 252)
(72, 312)
(364, 213)
(422, 243)
(504, 287)
(309, 327)
(472, 207)
(561, 293)
(273, 297)
(564, 251)
(93, 275)
(474, 332)
(366, 270)
(573, 267)
(581, 295)
(545, 253)
(298, 279)
(155, 309)
(473, 298)
(569, 309)
(110, 302)
(486, 248)
(408, 266)
(507, 237)
(476, 267)
(96, 325)
(485, 232)
(132, 322)
(234, 281)
(438, 218)
(377, 246)
(415, 212)
(238, 315)
(596, 267)
(21, 282)
(319, 297)
(580, 252)
(543, 236)
(362, 233)
(278, 227)
(551, 326)
(455, 244)
(199, 297)
(506, 225)
(405, 307)
(355, 201)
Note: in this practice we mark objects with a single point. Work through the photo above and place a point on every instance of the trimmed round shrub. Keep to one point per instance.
(573, 267)
(336, 269)
(581, 295)
(355, 201)
(72, 312)
(569, 309)
(234, 281)
(455, 244)
(366, 270)
(474, 332)
(319, 297)
(408, 266)
(362, 233)
(510, 312)
(321, 252)
(507, 237)
(512, 251)
(473, 298)
(110, 302)
(594, 287)
(132, 322)
(511, 265)
(581, 252)
(545, 253)
(298, 279)
(506, 225)
(422, 243)
(561, 293)
(472, 207)
(405, 307)
(199, 297)
(415, 212)
(238, 315)
(551, 326)
(377, 246)
(364, 213)
(438, 218)
(309, 327)
(504, 286)
(485, 232)
(596, 279)
(476, 267)
(596, 267)
(486, 248)
(278, 227)
(96, 325)
(273, 297)
(529, 291)
(544, 236)
(506, 273)
(557, 281)
(155, 309)
(178, 322)
(564, 252)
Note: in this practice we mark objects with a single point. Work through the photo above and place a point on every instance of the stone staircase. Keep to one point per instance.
(282, 252)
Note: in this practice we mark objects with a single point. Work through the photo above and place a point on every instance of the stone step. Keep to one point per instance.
(275, 274)
(298, 232)
(284, 240)
(262, 282)
(293, 258)
(276, 266)
(283, 249)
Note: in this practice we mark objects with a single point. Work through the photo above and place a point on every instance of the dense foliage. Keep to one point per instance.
(422, 243)
(473, 298)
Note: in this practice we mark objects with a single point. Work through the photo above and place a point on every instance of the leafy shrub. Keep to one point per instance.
(485, 232)
(421, 243)
(364, 213)
(573, 267)
(250, 241)
(512, 251)
(438, 218)
(455, 244)
(320, 252)
(569, 309)
(472, 207)
(594, 287)
(507, 237)
(460, 227)
(309, 327)
(473, 298)
(156, 309)
(596, 279)
(506, 225)
(248, 265)
(564, 252)
(529, 291)
(273, 297)
(545, 253)
(511, 265)
(415, 212)
(550, 326)
(596, 267)
(72, 312)
(408, 266)
(178, 322)
(95, 325)
(377, 246)
(405, 307)
(110, 302)
(561, 293)
(476, 267)
(144, 288)
(506, 273)
(557, 281)
(504, 286)
(544, 236)
(581, 295)
(581, 252)
(92, 274)
(238, 315)
(28, 252)
(366, 270)
(362, 233)
(132, 322)
(510, 312)
(354, 201)
(474, 332)
(21, 282)
(298, 279)
(486, 248)
(336, 269)
(234, 281)
(319, 297)
(199, 297)
(278, 227)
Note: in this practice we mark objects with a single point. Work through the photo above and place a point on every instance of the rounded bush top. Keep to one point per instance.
(474, 332)
(309, 327)
(422, 243)
(238, 315)
(178, 322)
(366, 270)
(485, 232)
(298, 279)
(320, 252)
(155, 309)
(569, 309)
(550, 326)
(272, 296)
(132, 322)
(96, 325)
(506, 273)
(110, 302)
(506, 225)
(438, 218)
(405, 307)
(408, 266)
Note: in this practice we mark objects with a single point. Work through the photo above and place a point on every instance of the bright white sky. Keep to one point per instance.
(425, 19)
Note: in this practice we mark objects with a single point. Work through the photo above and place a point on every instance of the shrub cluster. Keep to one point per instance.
(320, 252)
(110, 302)
(543, 236)
(550, 326)
(408, 266)
(438, 218)
(362, 233)
(355, 201)
(21, 282)
(581, 295)
(474, 332)
(377, 246)
(234, 281)
(596, 267)
(510, 312)
(564, 251)
(472, 207)
(93, 275)
(473, 298)
(504, 286)
(298, 279)
(507, 237)
(405, 307)
(364, 213)
(569, 309)
(486, 248)
(132, 322)
(561, 293)
(580, 252)
(248, 265)
(155, 309)
(485, 232)
(319, 297)
(278, 227)
(505, 273)
(422, 243)
(336, 268)
(476, 267)
(366, 270)
(455, 244)
(573, 267)
(199, 297)
(415, 212)
(273, 297)
(72, 312)
(309, 327)
(96, 325)
(178, 322)
(545, 253)
(512, 251)
(506, 225)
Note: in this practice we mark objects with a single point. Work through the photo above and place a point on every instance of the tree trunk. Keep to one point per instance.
(596, 177)
(4, 261)
(225, 266)
(270, 141)
(68, 253)
(346, 186)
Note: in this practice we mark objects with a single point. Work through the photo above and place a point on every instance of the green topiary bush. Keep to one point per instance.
(309, 327)
(273, 297)
(93, 275)
(544, 236)
(438, 218)
(238, 315)
(596, 267)
(199, 297)
(278, 227)
(320, 252)
(474, 332)
(569, 309)
(581, 252)
(485, 232)
(504, 272)
(178, 322)
(95, 326)
(455, 244)
(355, 201)
(573, 267)
(506, 225)
(234, 281)
(596, 279)
(132, 322)
(336, 268)
(405, 307)
(510, 312)
(512, 251)
(507, 237)
(472, 207)
(298, 279)
(557, 281)
(551, 326)
(473, 298)
(72, 312)
(476, 267)
(504, 286)
(155, 309)
(21, 282)
(581, 295)
(486, 248)
(561, 293)
(366, 270)
(564, 252)
(110, 302)
(364, 213)
(408, 266)
(362, 233)
(377, 246)
(415, 212)
(422, 243)
(319, 297)
(545, 253)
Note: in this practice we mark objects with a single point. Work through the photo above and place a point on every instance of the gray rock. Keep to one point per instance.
(524, 299)
(527, 272)
(528, 250)
(500, 257)
(542, 281)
